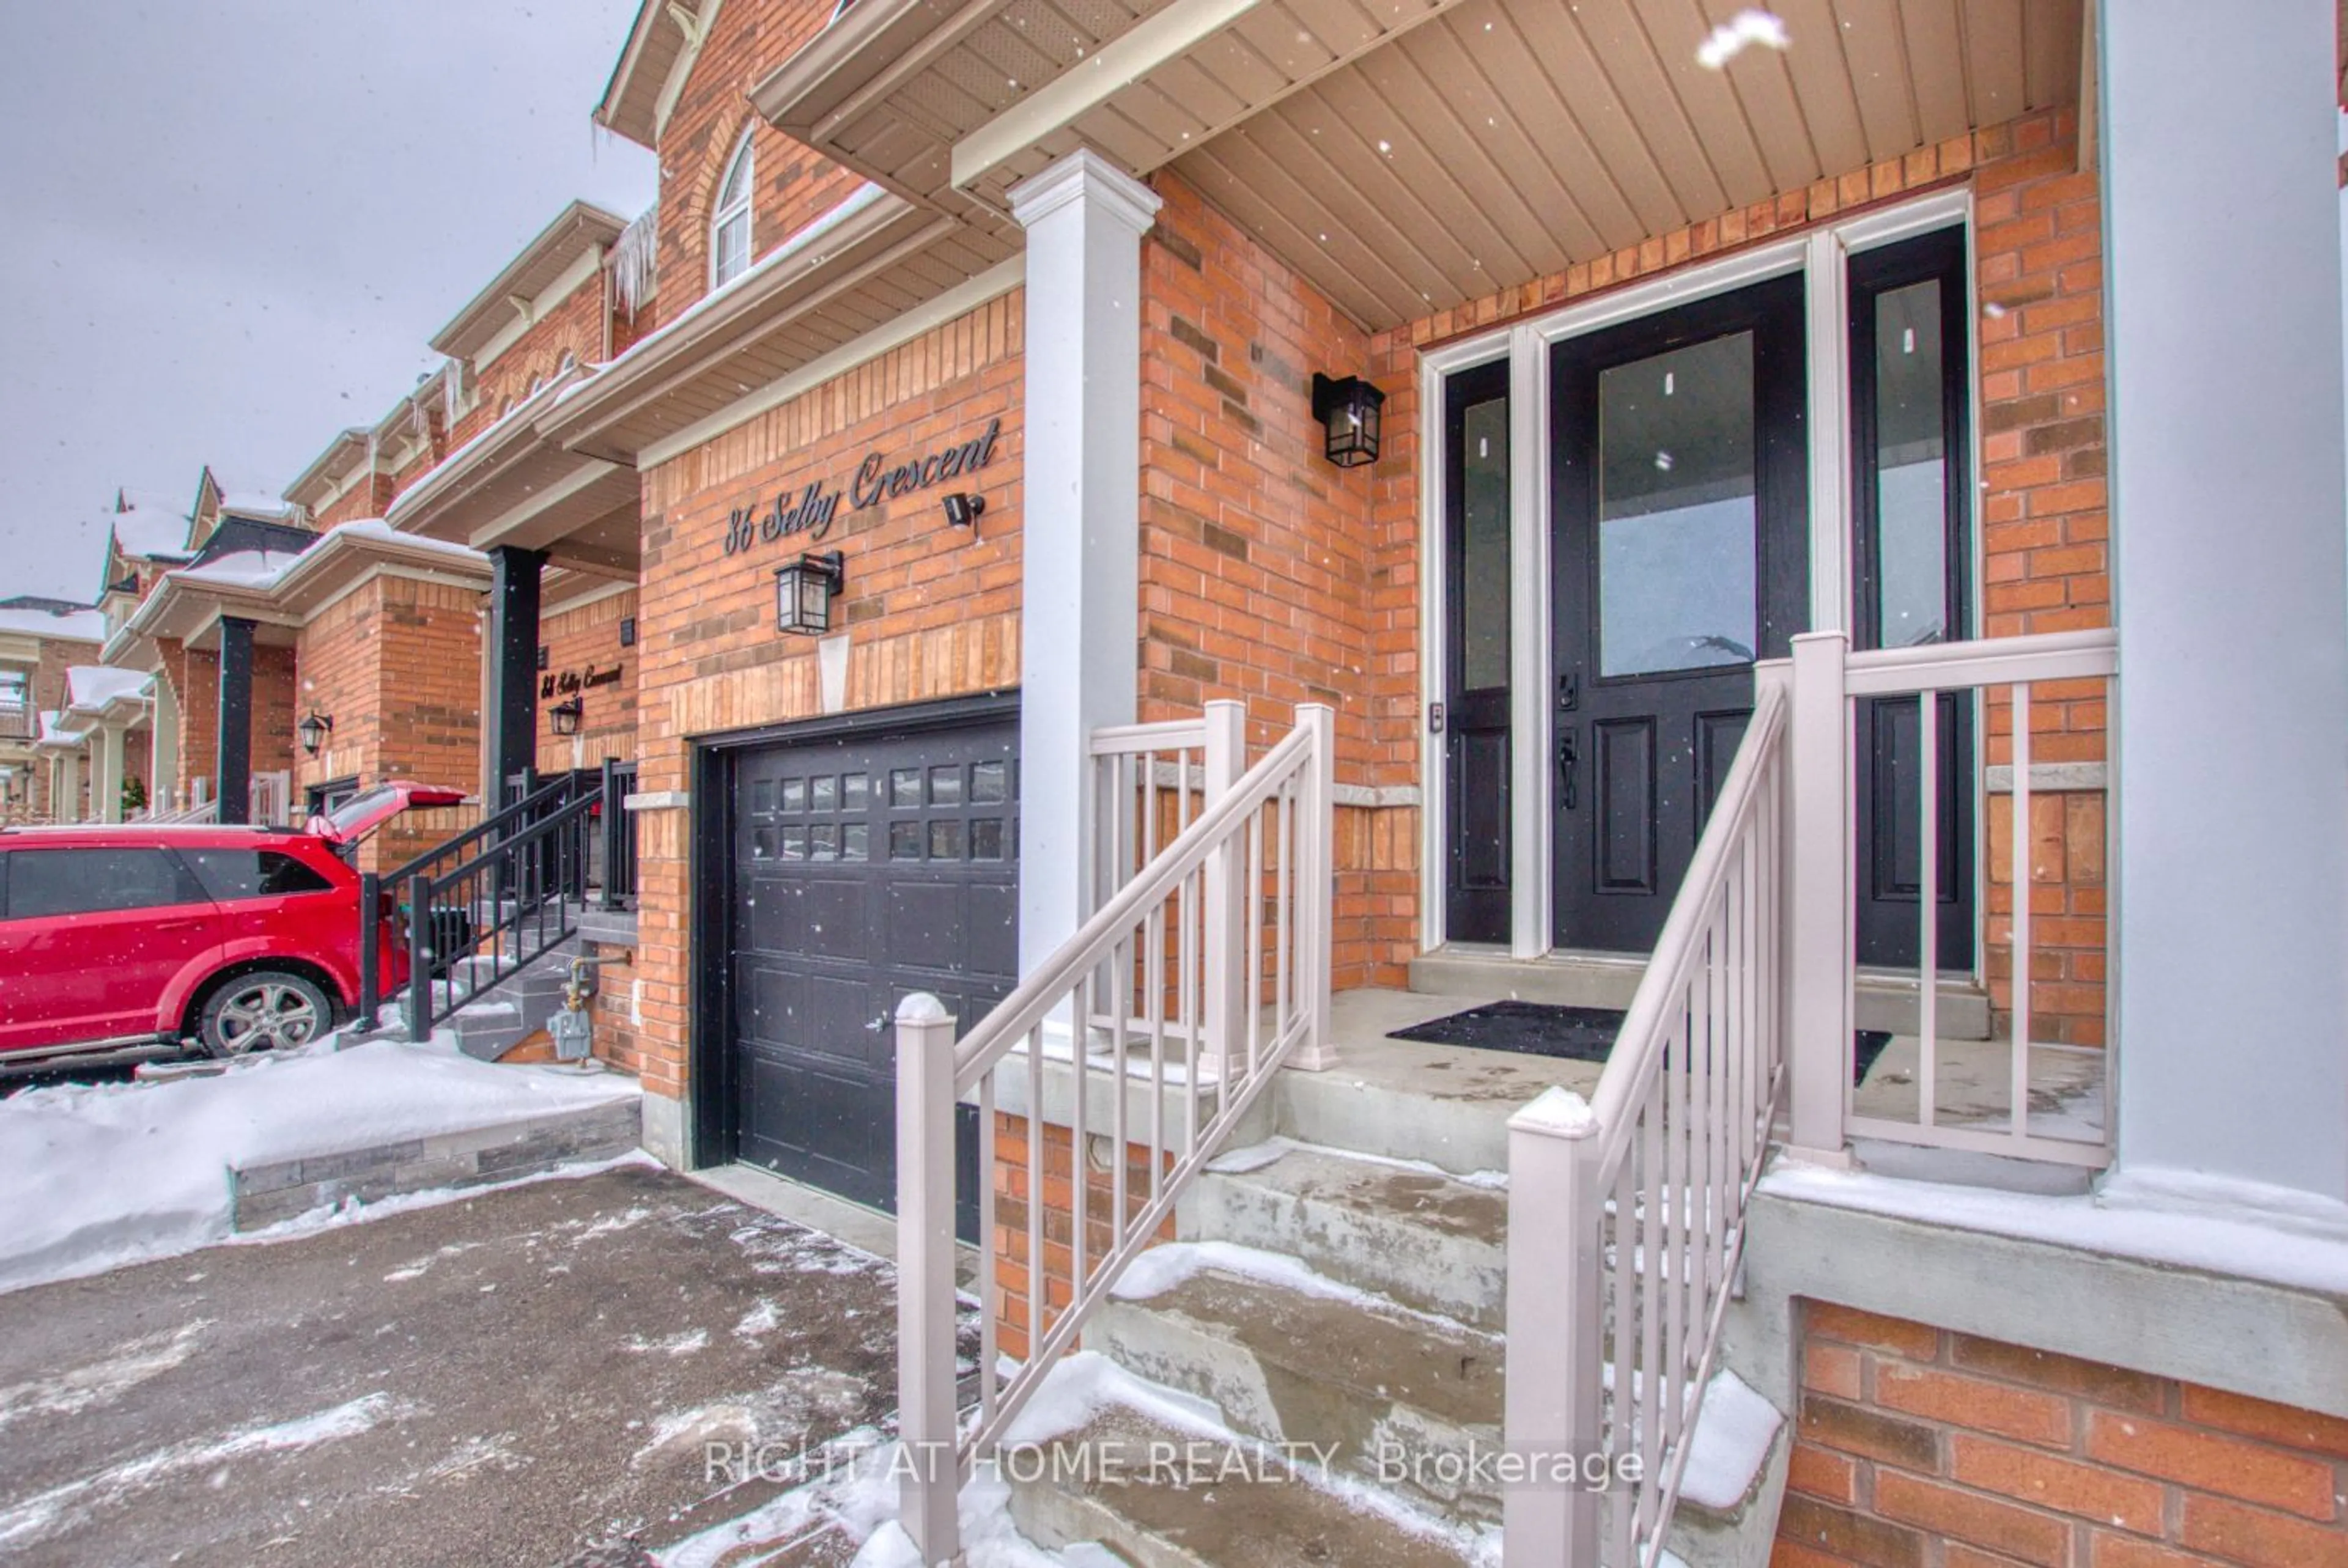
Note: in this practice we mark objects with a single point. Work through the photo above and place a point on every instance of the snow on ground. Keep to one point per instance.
(100, 1175)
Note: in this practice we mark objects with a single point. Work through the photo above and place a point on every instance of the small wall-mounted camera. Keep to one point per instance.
(962, 511)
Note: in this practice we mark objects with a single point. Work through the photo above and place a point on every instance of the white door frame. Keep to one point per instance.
(1818, 254)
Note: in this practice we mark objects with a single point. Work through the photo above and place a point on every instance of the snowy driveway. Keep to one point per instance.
(503, 1380)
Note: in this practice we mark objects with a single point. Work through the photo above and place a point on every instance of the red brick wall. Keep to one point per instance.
(396, 664)
(574, 326)
(928, 614)
(1922, 1447)
(1263, 569)
(1016, 1181)
(275, 687)
(369, 499)
(194, 675)
(794, 183)
(579, 641)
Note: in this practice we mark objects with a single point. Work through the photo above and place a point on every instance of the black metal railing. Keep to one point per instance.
(616, 874)
(496, 912)
(509, 868)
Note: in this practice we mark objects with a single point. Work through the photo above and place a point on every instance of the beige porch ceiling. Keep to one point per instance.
(1410, 155)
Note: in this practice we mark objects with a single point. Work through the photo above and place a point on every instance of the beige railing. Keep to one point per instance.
(1199, 975)
(1627, 1210)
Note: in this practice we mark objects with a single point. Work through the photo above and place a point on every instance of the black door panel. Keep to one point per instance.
(1681, 553)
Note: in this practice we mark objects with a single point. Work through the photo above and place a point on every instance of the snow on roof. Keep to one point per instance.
(79, 626)
(245, 569)
(148, 533)
(377, 529)
(95, 685)
(256, 504)
(55, 727)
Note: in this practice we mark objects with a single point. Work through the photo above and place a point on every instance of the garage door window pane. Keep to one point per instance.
(52, 882)
(823, 841)
(856, 841)
(762, 796)
(904, 786)
(855, 792)
(945, 841)
(795, 794)
(762, 843)
(945, 786)
(823, 793)
(904, 841)
(793, 841)
(986, 839)
(989, 783)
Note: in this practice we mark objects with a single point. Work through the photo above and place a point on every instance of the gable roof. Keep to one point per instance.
(630, 107)
(580, 228)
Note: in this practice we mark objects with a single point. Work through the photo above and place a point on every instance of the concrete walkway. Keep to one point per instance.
(507, 1380)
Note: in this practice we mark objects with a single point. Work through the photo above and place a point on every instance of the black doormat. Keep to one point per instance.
(1570, 1033)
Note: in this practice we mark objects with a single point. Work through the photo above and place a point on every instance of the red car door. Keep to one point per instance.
(92, 940)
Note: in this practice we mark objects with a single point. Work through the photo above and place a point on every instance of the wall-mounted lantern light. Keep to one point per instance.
(1349, 409)
(804, 590)
(545, 656)
(627, 632)
(313, 731)
(963, 512)
(567, 715)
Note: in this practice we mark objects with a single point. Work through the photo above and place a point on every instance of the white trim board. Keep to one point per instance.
(1818, 253)
(997, 279)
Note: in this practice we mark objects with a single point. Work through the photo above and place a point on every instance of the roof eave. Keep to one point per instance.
(578, 227)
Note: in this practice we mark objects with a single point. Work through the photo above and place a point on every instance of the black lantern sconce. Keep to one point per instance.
(627, 632)
(963, 511)
(804, 590)
(313, 731)
(1348, 408)
(567, 716)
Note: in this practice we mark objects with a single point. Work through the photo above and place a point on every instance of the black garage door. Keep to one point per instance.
(867, 865)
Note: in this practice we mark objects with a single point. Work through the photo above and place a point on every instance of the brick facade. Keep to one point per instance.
(577, 327)
(396, 664)
(1918, 1446)
(579, 643)
(927, 614)
(794, 183)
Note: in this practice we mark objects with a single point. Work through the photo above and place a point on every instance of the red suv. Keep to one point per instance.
(131, 937)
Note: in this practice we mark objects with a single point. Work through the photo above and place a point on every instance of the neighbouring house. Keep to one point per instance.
(40, 639)
(1500, 729)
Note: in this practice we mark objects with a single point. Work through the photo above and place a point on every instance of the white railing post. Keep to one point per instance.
(1818, 899)
(931, 1481)
(1226, 994)
(1552, 1409)
(1316, 884)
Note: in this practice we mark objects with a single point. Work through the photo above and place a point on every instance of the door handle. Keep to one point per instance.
(1569, 764)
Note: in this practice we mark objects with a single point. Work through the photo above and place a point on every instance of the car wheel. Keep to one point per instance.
(263, 1010)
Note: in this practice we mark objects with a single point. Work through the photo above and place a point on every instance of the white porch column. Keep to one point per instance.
(1080, 591)
(163, 762)
(106, 774)
(2221, 230)
(66, 804)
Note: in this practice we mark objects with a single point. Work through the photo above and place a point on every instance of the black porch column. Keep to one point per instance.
(233, 783)
(512, 718)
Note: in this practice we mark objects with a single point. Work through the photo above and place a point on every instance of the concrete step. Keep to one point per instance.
(1176, 1514)
(1886, 999)
(1413, 1234)
(1398, 1400)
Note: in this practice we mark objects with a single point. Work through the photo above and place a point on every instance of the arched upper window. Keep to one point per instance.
(729, 222)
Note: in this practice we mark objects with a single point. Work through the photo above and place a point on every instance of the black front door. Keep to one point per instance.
(1681, 554)
(866, 867)
(1476, 577)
